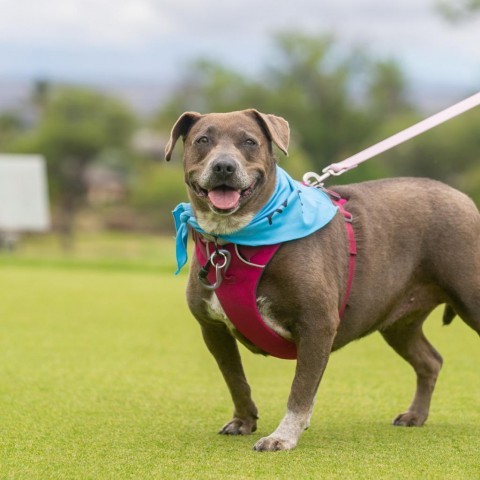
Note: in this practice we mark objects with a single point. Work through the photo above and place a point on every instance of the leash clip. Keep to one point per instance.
(220, 259)
(313, 179)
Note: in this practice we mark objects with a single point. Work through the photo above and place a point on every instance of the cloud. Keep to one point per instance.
(135, 23)
(152, 37)
(88, 22)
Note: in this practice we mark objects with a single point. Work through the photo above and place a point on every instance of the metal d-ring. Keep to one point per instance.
(220, 265)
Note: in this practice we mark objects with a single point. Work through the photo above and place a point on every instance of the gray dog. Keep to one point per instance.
(418, 247)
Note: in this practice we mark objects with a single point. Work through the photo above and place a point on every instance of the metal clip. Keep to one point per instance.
(315, 180)
(220, 259)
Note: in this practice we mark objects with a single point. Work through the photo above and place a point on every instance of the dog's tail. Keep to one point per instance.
(448, 314)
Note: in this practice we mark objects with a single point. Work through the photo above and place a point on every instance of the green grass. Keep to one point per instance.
(103, 375)
(108, 251)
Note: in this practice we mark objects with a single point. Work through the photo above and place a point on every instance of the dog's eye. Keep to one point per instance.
(250, 142)
(203, 140)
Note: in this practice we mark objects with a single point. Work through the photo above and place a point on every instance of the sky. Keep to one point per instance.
(152, 41)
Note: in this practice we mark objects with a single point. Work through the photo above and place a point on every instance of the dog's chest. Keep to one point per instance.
(216, 312)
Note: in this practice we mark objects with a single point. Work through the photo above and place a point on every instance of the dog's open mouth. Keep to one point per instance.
(225, 199)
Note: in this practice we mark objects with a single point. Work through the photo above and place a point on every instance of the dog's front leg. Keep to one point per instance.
(313, 351)
(225, 350)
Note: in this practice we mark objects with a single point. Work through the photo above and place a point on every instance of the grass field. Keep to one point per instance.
(103, 375)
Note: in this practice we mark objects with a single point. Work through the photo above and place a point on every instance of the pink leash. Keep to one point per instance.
(313, 179)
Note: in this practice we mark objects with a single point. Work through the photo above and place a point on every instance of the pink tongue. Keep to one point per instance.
(224, 198)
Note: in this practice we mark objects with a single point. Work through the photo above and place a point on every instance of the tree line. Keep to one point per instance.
(337, 102)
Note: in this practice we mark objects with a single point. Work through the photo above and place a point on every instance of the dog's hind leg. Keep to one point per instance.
(455, 261)
(467, 307)
(407, 339)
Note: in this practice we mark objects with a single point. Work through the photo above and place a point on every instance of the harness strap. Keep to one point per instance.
(352, 250)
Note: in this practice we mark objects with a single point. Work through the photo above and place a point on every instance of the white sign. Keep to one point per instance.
(23, 194)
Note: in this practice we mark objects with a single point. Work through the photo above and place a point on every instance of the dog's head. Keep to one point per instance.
(229, 164)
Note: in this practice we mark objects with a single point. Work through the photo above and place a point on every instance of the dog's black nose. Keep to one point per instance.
(224, 167)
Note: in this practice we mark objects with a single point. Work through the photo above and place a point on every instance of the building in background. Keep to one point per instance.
(24, 203)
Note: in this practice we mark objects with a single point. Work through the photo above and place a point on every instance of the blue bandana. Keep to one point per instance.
(293, 211)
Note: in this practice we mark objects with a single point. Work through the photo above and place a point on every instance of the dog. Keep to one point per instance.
(418, 246)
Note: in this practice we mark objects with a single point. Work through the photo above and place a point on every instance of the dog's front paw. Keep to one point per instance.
(239, 427)
(273, 444)
(409, 419)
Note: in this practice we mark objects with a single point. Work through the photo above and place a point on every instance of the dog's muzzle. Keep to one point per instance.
(225, 184)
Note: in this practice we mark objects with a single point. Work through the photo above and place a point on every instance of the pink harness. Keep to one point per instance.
(241, 273)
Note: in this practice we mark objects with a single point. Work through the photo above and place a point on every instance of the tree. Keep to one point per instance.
(210, 87)
(457, 10)
(75, 126)
(387, 91)
(310, 87)
(335, 100)
(11, 126)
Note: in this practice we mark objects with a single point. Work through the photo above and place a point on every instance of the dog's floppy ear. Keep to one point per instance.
(277, 129)
(180, 129)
